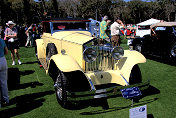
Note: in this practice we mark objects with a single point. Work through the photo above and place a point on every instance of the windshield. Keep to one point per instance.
(161, 28)
(70, 26)
(144, 27)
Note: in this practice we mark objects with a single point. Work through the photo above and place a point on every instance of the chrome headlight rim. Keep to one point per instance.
(89, 54)
(117, 52)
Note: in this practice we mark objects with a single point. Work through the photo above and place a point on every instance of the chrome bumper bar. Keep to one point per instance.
(110, 92)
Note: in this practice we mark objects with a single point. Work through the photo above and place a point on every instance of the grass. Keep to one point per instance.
(32, 94)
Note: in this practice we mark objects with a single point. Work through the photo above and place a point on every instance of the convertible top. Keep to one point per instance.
(66, 20)
(163, 24)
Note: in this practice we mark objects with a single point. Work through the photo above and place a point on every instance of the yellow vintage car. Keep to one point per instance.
(80, 68)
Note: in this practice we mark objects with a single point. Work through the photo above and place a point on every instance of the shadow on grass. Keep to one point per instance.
(104, 104)
(31, 62)
(25, 85)
(151, 90)
(14, 79)
(26, 72)
(161, 60)
(118, 108)
(150, 116)
(24, 104)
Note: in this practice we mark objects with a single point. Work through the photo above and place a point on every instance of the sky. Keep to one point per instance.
(142, 0)
(124, 0)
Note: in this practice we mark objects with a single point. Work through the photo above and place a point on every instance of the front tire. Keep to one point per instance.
(61, 89)
(138, 47)
(51, 50)
(135, 76)
(173, 53)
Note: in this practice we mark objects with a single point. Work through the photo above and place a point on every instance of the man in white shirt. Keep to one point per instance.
(115, 32)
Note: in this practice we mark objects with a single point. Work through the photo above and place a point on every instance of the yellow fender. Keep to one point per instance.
(120, 75)
(41, 51)
(65, 63)
(129, 59)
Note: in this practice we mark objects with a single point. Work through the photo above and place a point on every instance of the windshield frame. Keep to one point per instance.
(53, 28)
(174, 30)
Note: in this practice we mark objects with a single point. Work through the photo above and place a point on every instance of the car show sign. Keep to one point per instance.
(129, 93)
(138, 112)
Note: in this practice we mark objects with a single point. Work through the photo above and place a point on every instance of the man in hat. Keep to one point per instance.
(11, 37)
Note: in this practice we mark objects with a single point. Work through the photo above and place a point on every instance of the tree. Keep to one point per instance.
(166, 9)
(174, 4)
(134, 11)
(119, 9)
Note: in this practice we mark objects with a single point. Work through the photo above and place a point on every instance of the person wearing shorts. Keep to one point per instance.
(11, 37)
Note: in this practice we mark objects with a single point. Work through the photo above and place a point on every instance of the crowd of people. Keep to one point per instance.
(15, 36)
(12, 37)
(110, 31)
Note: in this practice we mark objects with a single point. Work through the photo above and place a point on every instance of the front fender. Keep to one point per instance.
(65, 63)
(41, 53)
(130, 59)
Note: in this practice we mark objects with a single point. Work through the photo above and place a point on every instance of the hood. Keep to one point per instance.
(78, 37)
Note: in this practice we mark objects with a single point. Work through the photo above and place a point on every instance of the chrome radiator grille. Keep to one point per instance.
(104, 60)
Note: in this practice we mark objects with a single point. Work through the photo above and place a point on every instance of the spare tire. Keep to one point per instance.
(50, 51)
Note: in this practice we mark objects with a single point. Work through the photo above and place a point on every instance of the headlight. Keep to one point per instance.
(117, 53)
(89, 55)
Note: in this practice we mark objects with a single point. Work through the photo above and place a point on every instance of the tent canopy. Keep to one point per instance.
(149, 22)
(163, 24)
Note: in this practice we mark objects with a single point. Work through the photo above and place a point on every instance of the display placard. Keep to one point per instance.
(138, 112)
(131, 92)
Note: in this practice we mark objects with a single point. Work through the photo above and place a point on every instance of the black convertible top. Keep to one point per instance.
(66, 20)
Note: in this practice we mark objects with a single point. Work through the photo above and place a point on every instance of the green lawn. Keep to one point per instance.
(32, 94)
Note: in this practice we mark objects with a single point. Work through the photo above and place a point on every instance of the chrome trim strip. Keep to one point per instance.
(125, 79)
(111, 91)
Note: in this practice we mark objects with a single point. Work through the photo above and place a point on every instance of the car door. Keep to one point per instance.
(158, 40)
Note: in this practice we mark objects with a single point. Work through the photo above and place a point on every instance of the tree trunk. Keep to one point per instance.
(27, 11)
(55, 5)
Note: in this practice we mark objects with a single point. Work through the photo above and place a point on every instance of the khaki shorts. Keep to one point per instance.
(115, 38)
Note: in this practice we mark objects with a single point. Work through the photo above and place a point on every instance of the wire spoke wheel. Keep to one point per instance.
(58, 87)
(51, 50)
(172, 54)
(61, 89)
(173, 51)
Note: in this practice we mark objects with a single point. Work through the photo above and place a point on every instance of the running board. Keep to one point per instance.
(43, 62)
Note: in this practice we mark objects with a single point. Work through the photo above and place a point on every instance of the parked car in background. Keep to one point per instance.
(143, 28)
(161, 42)
(94, 27)
(79, 67)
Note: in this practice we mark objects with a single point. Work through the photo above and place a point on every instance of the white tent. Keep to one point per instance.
(143, 28)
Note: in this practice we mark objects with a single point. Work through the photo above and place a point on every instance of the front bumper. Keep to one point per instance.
(110, 92)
